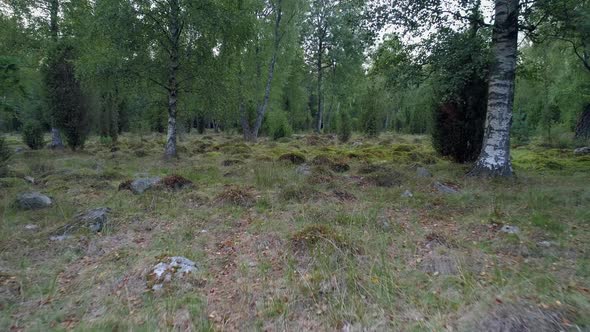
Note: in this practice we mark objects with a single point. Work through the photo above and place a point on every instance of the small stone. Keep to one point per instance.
(581, 151)
(60, 238)
(138, 186)
(445, 189)
(304, 170)
(29, 179)
(33, 201)
(19, 149)
(423, 172)
(510, 229)
(357, 144)
(172, 268)
(31, 227)
(407, 194)
(545, 244)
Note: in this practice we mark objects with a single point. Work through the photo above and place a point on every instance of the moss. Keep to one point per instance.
(233, 148)
(537, 159)
(385, 178)
(314, 235)
(298, 192)
(293, 157)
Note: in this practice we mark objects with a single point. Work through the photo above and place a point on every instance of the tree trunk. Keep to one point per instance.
(251, 132)
(494, 158)
(174, 25)
(583, 126)
(318, 128)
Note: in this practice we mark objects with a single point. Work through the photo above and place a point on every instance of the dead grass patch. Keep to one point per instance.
(236, 195)
(176, 182)
(515, 317)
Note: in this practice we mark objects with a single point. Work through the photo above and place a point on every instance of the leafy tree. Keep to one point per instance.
(335, 33)
(64, 94)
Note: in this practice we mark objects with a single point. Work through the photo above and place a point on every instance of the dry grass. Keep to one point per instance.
(335, 248)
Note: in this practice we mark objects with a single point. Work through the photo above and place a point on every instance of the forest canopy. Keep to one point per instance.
(273, 67)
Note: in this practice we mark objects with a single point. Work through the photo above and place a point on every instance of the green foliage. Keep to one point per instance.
(64, 95)
(520, 128)
(5, 154)
(344, 127)
(278, 125)
(460, 61)
(33, 135)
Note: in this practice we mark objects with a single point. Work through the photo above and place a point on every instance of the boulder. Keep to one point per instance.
(94, 219)
(582, 151)
(33, 201)
(422, 172)
(169, 269)
(140, 185)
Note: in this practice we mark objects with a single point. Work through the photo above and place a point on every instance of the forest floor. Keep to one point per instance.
(334, 244)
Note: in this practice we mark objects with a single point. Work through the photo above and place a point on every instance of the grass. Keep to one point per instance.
(338, 248)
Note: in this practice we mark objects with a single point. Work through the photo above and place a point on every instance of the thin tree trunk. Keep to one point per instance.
(318, 128)
(56, 141)
(251, 132)
(494, 158)
(170, 150)
(583, 125)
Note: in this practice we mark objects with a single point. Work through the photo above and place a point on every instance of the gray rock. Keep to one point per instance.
(304, 170)
(94, 219)
(443, 188)
(423, 172)
(19, 150)
(545, 244)
(172, 268)
(140, 185)
(33, 201)
(31, 227)
(59, 238)
(407, 194)
(510, 229)
(30, 179)
(584, 150)
(357, 144)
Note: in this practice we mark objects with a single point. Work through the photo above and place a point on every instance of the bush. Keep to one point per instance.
(344, 127)
(5, 154)
(64, 95)
(278, 125)
(460, 63)
(33, 135)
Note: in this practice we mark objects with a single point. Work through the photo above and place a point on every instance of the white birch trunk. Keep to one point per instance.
(494, 158)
